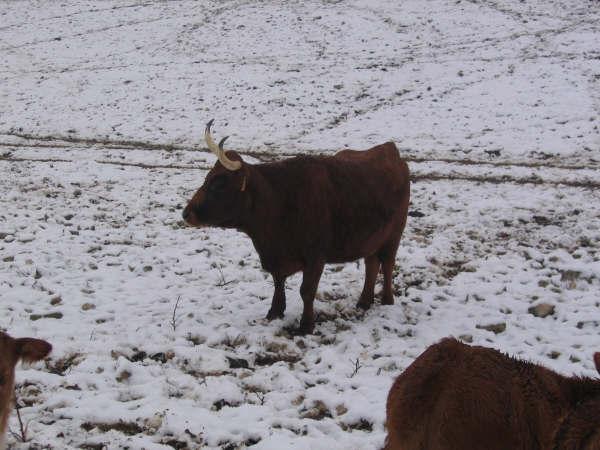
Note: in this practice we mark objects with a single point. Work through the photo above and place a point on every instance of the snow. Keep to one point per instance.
(161, 340)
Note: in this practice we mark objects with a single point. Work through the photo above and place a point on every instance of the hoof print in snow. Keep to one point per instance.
(162, 357)
(92, 446)
(123, 376)
(177, 445)
(63, 365)
(542, 310)
(495, 328)
(317, 412)
(554, 354)
(587, 324)
(340, 410)
(570, 277)
(268, 359)
(362, 425)
(416, 214)
(88, 306)
(196, 339)
(237, 363)
(220, 404)
(140, 355)
(542, 220)
(54, 315)
(128, 428)
(228, 445)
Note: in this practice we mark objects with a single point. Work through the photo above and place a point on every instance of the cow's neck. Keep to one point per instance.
(262, 217)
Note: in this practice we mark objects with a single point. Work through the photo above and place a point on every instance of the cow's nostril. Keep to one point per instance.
(186, 213)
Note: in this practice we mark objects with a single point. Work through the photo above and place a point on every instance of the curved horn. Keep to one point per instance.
(218, 149)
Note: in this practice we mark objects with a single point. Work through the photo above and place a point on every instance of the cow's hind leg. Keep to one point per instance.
(387, 254)
(372, 265)
(278, 303)
(310, 280)
(388, 258)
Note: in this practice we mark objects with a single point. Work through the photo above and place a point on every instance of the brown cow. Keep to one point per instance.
(304, 212)
(11, 351)
(457, 397)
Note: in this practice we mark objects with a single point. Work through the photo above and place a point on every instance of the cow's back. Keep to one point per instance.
(455, 396)
(382, 161)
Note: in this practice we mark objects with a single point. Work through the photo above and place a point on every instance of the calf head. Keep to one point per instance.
(222, 199)
(11, 352)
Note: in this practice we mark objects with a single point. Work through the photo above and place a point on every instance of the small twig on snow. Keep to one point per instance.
(174, 318)
(261, 397)
(222, 281)
(357, 367)
(22, 436)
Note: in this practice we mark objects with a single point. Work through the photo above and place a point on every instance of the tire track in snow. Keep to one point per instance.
(84, 33)
(66, 16)
(431, 176)
(61, 142)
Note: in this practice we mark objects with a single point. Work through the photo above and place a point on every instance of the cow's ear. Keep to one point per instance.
(30, 350)
(597, 361)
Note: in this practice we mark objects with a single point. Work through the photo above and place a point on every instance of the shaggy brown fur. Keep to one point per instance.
(11, 351)
(457, 397)
(304, 212)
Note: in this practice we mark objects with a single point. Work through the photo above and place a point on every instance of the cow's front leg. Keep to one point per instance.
(308, 289)
(278, 303)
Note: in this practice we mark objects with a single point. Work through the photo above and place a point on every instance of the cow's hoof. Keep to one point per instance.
(304, 329)
(364, 305)
(272, 315)
(275, 313)
(387, 301)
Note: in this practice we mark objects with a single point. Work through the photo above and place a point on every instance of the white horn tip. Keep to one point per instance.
(222, 141)
(209, 124)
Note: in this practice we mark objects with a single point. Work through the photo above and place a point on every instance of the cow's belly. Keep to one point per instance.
(353, 250)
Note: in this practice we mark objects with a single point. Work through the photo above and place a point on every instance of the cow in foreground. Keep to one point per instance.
(457, 397)
(11, 352)
(306, 211)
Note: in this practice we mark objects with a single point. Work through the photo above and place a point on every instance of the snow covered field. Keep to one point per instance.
(158, 330)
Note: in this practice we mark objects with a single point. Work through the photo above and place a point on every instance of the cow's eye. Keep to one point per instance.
(217, 184)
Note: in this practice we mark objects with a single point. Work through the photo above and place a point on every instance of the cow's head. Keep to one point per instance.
(24, 349)
(11, 351)
(222, 198)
